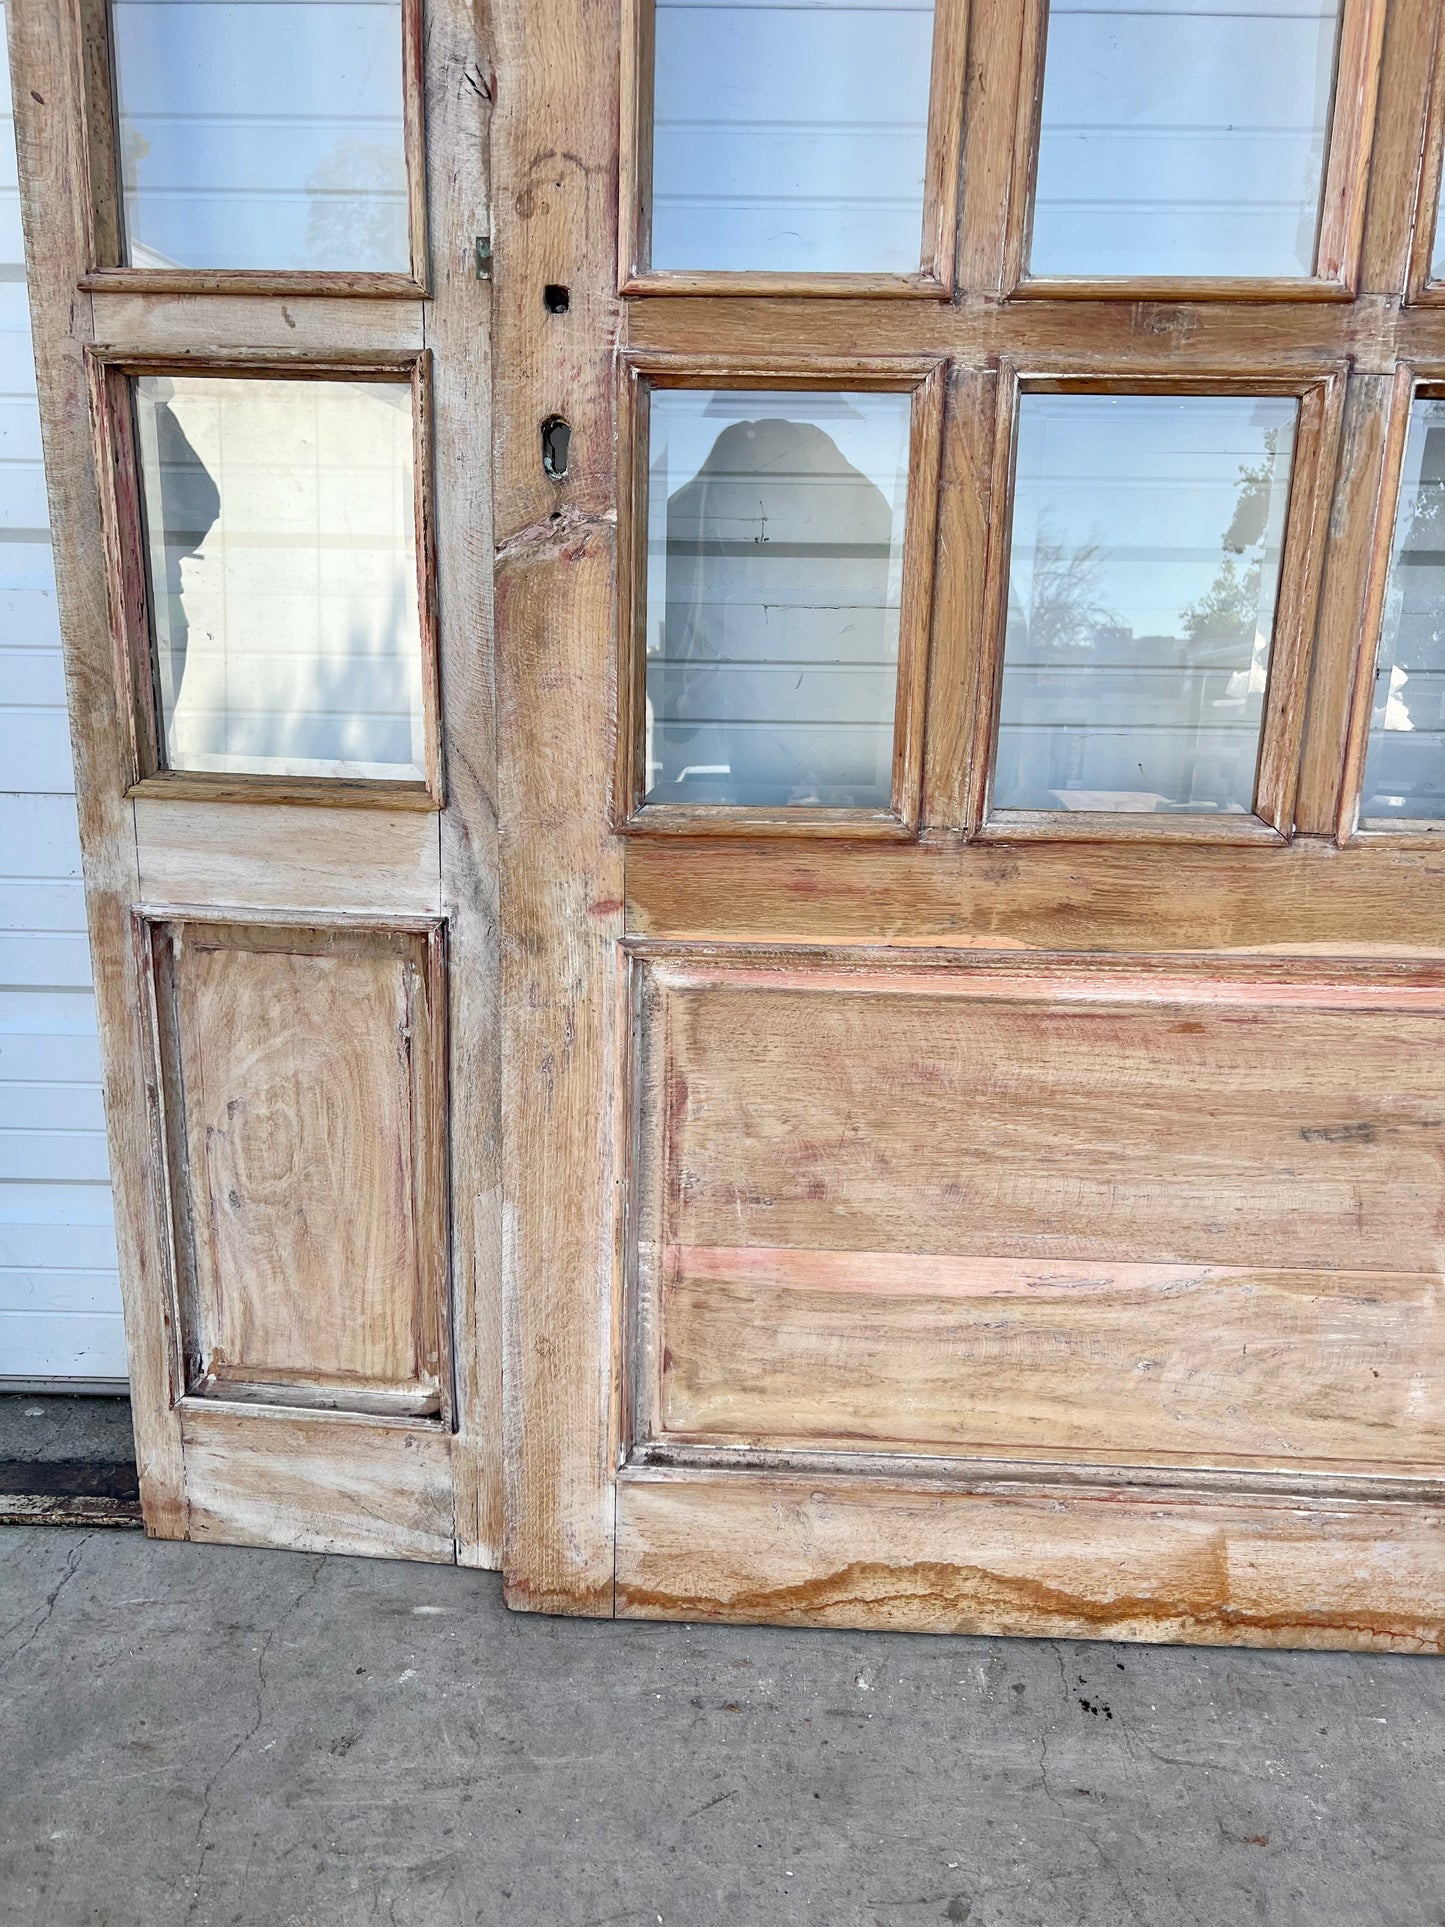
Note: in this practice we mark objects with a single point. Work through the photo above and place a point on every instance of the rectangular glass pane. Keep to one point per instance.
(261, 134)
(1405, 766)
(1183, 139)
(774, 570)
(1147, 535)
(790, 138)
(281, 546)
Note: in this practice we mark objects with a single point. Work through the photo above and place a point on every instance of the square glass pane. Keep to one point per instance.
(1405, 765)
(1143, 575)
(790, 138)
(1183, 139)
(261, 134)
(774, 573)
(280, 539)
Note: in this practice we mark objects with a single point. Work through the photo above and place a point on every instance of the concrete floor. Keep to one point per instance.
(44, 1428)
(205, 1735)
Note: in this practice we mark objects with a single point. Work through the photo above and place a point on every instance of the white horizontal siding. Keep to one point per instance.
(60, 1315)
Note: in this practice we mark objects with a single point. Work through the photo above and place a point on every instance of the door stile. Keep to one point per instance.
(554, 136)
(460, 88)
(54, 193)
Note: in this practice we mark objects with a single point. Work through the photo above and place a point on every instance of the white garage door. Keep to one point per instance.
(60, 1315)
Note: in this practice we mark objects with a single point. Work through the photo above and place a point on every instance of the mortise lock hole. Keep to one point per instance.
(555, 298)
(556, 443)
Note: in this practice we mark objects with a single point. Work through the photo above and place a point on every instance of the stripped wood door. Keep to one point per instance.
(970, 784)
(262, 345)
(846, 927)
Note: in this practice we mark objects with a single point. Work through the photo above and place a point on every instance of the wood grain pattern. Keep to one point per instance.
(1117, 336)
(1155, 1149)
(367, 1488)
(307, 1152)
(1309, 898)
(139, 323)
(53, 193)
(294, 858)
(460, 84)
(554, 145)
(1108, 1212)
(1344, 618)
(1376, 539)
(1415, 50)
(794, 1550)
(1116, 1364)
(212, 846)
(834, 1117)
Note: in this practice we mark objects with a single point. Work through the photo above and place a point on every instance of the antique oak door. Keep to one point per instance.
(971, 785)
(262, 348)
(758, 704)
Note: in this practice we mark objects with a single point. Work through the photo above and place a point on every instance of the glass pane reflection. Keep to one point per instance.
(281, 546)
(1182, 139)
(261, 134)
(774, 571)
(1405, 766)
(790, 138)
(1147, 535)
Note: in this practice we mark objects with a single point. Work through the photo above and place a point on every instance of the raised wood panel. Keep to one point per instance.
(1157, 1567)
(1108, 1214)
(266, 1477)
(960, 1111)
(1165, 1363)
(304, 1099)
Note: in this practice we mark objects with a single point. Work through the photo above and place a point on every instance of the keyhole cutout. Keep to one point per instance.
(556, 445)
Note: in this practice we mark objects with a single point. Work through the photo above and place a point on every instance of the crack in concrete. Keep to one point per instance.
(72, 1566)
(203, 1845)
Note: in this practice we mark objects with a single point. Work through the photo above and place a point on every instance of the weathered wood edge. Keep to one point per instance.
(50, 140)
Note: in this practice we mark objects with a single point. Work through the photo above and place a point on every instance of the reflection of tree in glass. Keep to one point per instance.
(1065, 611)
(358, 213)
(1228, 611)
(1415, 617)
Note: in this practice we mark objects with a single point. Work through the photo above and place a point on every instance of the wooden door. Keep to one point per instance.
(256, 237)
(971, 785)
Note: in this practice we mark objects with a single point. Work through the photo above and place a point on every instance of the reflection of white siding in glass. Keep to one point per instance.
(1146, 546)
(774, 573)
(1405, 766)
(1182, 139)
(790, 138)
(282, 560)
(262, 133)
